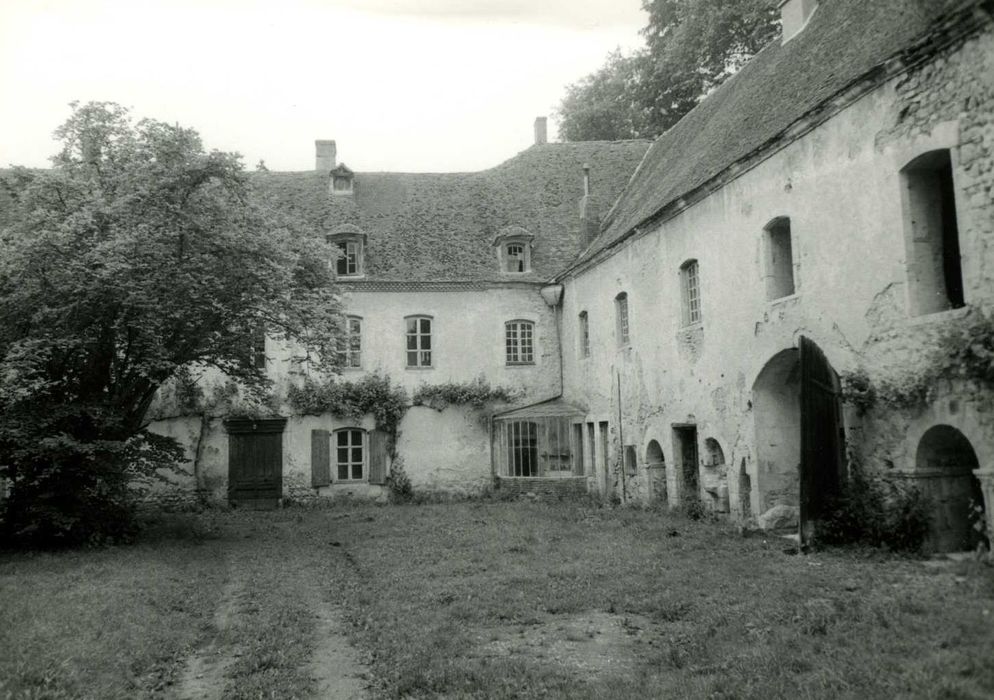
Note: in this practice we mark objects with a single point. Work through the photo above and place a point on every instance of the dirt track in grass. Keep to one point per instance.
(486, 599)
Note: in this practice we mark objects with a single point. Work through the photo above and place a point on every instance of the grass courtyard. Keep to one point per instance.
(487, 599)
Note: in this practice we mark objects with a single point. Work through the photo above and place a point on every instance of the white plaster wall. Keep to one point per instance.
(446, 451)
(840, 186)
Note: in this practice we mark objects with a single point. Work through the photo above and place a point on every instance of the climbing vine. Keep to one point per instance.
(372, 394)
(964, 351)
(477, 393)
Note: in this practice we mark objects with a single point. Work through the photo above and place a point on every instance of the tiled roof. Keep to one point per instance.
(441, 226)
(843, 41)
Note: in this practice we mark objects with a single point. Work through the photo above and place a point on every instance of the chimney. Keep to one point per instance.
(324, 156)
(590, 215)
(541, 136)
(794, 15)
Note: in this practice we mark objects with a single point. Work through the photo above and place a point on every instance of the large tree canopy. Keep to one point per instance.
(691, 47)
(137, 254)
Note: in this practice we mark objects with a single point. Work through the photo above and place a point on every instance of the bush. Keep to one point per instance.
(877, 513)
(398, 482)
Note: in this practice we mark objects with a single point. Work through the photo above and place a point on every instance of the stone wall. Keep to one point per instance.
(840, 184)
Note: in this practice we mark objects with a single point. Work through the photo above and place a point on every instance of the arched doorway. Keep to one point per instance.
(944, 466)
(776, 403)
(655, 462)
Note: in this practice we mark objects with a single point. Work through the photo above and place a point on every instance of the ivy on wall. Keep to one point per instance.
(964, 352)
(477, 394)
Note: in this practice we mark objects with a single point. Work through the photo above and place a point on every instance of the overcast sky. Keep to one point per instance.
(403, 85)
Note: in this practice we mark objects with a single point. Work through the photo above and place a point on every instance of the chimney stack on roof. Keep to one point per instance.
(325, 153)
(794, 15)
(590, 214)
(541, 134)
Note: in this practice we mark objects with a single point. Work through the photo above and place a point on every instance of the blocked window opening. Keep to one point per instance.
(779, 259)
(621, 307)
(350, 344)
(932, 245)
(419, 345)
(584, 325)
(519, 337)
(691, 292)
(655, 462)
(715, 455)
(631, 460)
(349, 454)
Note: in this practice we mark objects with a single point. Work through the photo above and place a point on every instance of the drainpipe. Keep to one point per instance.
(621, 447)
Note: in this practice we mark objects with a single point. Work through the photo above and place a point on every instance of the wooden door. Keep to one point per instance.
(255, 462)
(821, 437)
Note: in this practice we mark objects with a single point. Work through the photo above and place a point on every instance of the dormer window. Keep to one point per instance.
(514, 250)
(349, 241)
(342, 180)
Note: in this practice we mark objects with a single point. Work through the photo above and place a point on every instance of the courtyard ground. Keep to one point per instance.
(486, 599)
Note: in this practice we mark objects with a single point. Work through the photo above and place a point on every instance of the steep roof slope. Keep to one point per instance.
(440, 226)
(844, 40)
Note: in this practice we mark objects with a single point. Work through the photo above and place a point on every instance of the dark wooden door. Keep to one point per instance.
(255, 462)
(822, 458)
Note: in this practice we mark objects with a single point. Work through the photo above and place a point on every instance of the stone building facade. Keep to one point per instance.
(766, 303)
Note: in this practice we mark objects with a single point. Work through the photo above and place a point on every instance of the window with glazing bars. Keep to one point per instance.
(621, 303)
(350, 346)
(584, 335)
(522, 448)
(691, 292)
(349, 454)
(419, 341)
(514, 258)
(348, 262)
(519, 342)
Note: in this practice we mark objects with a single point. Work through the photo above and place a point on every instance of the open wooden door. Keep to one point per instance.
(822, 458)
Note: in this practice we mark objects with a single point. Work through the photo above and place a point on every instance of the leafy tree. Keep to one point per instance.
(692, 46)
(136, 255)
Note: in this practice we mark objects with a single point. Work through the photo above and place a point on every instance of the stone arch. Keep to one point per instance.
(715, 475)
(655, 462)
(946, 467)
(777, 422)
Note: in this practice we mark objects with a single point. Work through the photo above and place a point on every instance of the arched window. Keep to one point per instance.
(621, 311)
(350, 454)
(519, 342)
(691, 292)
(715, 455)
(779, 254)
(935, 274)
(419, 342)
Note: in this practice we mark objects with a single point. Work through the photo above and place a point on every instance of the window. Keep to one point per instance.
(514, 249)
(715, 455)
(419, 341)
(779, 259)
(690, 286)
(584, 335)
(935, 275)
(621, 307)
(515, 258)
(342, 179)
(350, 345)
(257, 349)
(348, 260)
(349, 454)
(519, 337)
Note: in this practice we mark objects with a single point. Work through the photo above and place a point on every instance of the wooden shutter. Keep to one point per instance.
(377, 457)
(320, 458)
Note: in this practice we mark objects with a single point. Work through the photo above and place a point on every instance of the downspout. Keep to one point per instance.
(621, 447)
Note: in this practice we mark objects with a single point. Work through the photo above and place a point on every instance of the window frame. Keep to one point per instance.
(690, 293)
(779, 278)
(419, 348)
(350, 463)
(350, 344)
(622, 312)
(343, 240)
(519, 326)
(583, 322)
